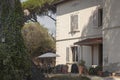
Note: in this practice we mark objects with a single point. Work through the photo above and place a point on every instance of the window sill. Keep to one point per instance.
(98, 27)
(76, 31)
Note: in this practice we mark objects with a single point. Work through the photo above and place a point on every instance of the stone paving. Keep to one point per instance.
(103, 78)
(91, 77)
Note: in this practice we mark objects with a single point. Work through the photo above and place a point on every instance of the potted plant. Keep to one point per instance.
(81, 66)
(99, 70)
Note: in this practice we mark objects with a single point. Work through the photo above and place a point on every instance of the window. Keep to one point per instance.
(74, 23)
(75, 53)
(98, 17)
(72, 54)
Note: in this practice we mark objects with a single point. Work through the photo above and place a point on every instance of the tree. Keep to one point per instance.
(39, 7)
(37, 39)
(14, 60)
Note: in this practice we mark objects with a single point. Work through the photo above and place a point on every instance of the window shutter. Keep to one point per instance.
(74, 22)
(67, 54)
(78, 49)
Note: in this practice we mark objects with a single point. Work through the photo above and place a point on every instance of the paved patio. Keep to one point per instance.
(104, 78)
(91, 77)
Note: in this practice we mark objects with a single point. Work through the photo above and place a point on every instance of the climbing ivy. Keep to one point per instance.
(14, 60)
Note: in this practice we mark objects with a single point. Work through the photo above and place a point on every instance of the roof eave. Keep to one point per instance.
(60, 2)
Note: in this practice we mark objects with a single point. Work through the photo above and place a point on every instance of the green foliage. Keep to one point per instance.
(81, 63)
(92, 71)
(98, 68)
(37, 39)
(39, 6)
(14, 60)
(65, 77)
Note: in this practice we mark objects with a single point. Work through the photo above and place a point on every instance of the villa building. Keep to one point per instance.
(88, 30)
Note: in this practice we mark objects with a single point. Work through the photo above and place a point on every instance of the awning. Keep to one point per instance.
(89, 41)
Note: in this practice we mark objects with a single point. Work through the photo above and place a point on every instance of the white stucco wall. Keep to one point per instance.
(61, 50)
(85, 10)
(111, 35)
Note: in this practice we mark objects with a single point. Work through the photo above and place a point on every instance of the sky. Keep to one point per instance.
(22, 0)
(48, 23)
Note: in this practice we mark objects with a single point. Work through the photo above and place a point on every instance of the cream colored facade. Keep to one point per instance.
(86, 29)
(111, 35)
(109, 31)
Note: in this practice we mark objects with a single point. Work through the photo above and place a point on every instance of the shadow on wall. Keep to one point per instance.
(113, 67)
(91, 28)
(107, 12)
(111, 35)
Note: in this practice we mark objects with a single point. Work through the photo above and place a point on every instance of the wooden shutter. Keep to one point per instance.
(67, 54)
(74, 22)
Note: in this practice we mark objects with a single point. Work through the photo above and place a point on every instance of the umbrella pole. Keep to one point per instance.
(47, 68)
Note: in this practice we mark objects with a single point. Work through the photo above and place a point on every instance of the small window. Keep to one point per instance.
(98, 17)
(74, 23)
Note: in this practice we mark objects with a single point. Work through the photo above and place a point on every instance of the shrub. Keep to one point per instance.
(92, 71)
(95, 71)
(81, 63)
(98, 68)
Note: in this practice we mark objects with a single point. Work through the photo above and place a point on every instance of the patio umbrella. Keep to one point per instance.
(48, 55)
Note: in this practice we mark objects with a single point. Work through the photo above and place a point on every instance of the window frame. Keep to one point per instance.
(98, 17)
(75, 53)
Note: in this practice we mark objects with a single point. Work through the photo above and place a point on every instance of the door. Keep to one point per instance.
(100, 54)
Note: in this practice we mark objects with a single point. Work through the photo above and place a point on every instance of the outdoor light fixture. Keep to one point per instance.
(2, 39)
(2, 33)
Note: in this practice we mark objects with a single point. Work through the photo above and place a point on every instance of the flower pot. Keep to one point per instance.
(100, 73)
(81, 70)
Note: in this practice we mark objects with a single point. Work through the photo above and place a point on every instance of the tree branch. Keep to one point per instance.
(51, 17)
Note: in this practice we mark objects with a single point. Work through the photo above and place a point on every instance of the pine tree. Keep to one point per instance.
(14, 60)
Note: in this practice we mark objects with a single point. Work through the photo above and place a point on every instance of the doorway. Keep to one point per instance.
(100, 54)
